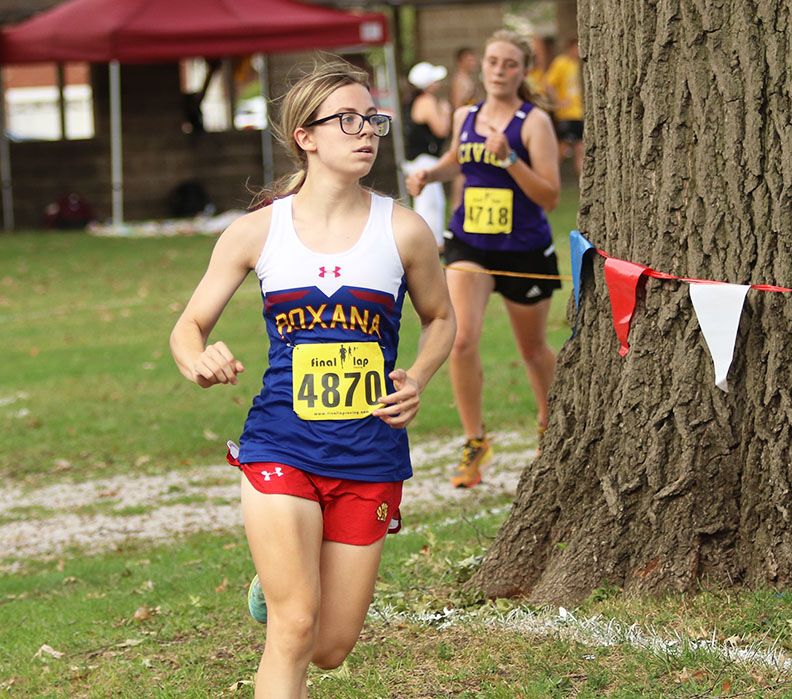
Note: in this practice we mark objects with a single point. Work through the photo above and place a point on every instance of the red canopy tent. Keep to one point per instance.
(151, 31)
(148, 31)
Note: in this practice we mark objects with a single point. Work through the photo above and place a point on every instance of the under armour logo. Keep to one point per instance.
(336, 272)
(276, 472)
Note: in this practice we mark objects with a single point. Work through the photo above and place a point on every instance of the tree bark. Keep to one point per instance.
(650, 477)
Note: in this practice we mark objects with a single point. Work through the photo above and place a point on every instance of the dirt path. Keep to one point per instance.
(101, 515)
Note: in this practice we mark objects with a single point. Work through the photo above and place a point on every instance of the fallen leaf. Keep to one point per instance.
(144, 613)
(726, 686)
(223, 586)
(759, 679)
(211, 436)
(142, 460)
(47, 650)
(239, 684)
(129, 643)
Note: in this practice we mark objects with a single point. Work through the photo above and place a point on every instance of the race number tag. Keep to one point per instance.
(488, 210)
(337, 380)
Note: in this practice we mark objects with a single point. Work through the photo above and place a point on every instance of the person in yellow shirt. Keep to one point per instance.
(564, 86)
(536, 75)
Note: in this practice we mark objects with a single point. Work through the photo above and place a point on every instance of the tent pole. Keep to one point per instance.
(262, 65)
(115, 144)
(5, 164)
(61, 79)
(398, 133)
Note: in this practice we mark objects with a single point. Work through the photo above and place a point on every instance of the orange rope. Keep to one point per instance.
(501, 273)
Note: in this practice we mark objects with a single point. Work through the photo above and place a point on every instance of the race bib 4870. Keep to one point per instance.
(337, 380)
(488, 210)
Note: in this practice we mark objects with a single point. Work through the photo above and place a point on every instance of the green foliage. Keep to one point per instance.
(604, 592)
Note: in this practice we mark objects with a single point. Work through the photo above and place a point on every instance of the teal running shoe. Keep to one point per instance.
(256, 602)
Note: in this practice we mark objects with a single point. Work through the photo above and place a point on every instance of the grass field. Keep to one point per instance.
(89, 394)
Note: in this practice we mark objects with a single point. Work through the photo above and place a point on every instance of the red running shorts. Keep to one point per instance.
(354, 512)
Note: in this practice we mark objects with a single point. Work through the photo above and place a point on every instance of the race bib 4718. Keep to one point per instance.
(488, 210)
(337, 380)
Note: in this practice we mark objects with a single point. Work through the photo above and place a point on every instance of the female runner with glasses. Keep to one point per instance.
(324, 450)
(507, 150)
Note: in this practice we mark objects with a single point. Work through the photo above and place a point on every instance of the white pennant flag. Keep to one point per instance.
(718, 309)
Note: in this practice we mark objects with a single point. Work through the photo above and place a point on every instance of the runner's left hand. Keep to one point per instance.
(401, 406)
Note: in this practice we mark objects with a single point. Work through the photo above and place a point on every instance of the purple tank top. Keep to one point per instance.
(495, 213)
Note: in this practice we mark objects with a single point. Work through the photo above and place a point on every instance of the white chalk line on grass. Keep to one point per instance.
(597, 631)
(49, 521)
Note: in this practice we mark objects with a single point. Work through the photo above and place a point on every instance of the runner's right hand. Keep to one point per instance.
(216, 364)
(416, 182)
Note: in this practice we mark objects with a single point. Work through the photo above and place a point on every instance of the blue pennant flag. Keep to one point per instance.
(578, 247)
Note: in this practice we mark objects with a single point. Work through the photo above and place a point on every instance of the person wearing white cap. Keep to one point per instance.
(428, 124)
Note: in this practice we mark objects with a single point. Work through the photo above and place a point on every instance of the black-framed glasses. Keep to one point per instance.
(352, 123)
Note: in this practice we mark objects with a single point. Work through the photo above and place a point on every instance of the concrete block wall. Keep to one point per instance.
(443, 30)
(157, 154)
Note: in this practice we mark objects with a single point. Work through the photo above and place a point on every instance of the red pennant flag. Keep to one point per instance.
(622, 280)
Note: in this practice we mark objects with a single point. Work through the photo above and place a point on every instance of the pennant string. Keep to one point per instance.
(649, 272)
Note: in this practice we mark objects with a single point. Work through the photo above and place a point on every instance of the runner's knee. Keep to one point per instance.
(535, 353)
(295, 636)
(465, 343)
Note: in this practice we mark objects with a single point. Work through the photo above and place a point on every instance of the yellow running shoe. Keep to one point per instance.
(475, 453)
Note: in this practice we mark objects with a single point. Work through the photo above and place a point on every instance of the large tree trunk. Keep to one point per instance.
(650, 477)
